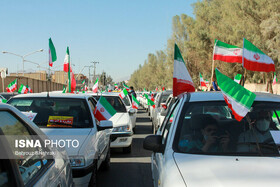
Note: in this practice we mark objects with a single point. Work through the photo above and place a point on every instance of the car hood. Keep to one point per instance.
(205, 170)
(79, 134)
(120, 119)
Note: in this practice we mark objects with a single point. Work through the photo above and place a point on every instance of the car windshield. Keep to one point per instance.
(115, 101)
(210, 128)
(55, 112)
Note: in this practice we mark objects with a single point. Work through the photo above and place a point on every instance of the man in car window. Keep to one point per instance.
(212, 140)
(258, 132)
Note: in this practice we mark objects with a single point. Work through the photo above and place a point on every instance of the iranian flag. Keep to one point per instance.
(29, 89)
(73, 82)
(182, 81)
(95, 86)
(64, 89)
(116, 86)
(149, 101)
(2, 100)
(237, 78)
(202, 82)
(66, 61)
(125, 86)
(274, 79)
(103, 110)
(12, 86)
(238, 98)
(206, 82)
(254, 59)
(83, 82)
(52, 53)
(123, 93)
(135, 103)
(22, 89)
(227, 53)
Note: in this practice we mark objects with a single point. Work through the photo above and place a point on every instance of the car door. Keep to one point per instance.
(158, 158)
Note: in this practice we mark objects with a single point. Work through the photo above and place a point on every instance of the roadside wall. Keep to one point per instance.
(36, 85)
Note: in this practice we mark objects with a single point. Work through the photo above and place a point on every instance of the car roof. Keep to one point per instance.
(54, 94)
(218, 96)
(105, 94)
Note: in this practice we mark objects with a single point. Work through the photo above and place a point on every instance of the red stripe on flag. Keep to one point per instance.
(203, 84)
(236, 116)
(230, 59)
(181, 86)
(98, 115)
(255, 66)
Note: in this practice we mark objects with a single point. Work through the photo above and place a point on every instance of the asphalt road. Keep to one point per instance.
(134, 169)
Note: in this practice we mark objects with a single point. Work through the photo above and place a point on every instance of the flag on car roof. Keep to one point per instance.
(73, 82)
(22, 89)
(66, 61)
(64, 89)
(12, 86)
(149, 101)
(29, 89)
(135, 103)
(227, 53)
(52, 53)
(202, 82)
(2, 100)
(274, 79)
(182, 81)
(237, 78)
(95, 86)
(103, 110)
(238, 98)
(254, 59)
(123, 93)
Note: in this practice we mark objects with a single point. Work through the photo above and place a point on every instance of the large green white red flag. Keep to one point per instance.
(202, 82)
(254, 59)
(95, 86)
(66, 61)
(29, 89)
(237, 78)
(123, 93)
(135, 103)
(238, 98)
(103, 110)
(227, 53)
(22, 89)
(182, 81)
(52, 53)
(12, 86)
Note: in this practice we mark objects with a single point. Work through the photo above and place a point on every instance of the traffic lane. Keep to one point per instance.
(132, 169)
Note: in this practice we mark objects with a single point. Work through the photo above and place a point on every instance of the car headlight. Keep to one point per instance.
(125, 128)
(77, 161)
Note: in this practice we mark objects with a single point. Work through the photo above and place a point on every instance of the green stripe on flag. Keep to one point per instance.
(110, 109)
(249, 46)
(234, 90)
(52, 49)
(177, 54)
(225, 45)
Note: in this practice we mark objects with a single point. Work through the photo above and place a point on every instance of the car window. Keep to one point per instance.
(28, 165)
(168, 121)
(55, 112)
(115, 101)
(163, 98)
(210, 128)
(6, 175)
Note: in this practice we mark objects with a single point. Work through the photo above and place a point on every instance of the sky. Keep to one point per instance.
(119, 34)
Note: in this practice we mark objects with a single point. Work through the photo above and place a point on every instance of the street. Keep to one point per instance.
(132, 169)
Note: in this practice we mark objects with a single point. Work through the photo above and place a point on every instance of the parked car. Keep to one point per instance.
(8, 95)
(159, 100)
(32, 170)
(70, 116)
(121, 135)
(201, 144)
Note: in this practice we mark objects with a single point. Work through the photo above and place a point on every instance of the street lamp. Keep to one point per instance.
(22, 57)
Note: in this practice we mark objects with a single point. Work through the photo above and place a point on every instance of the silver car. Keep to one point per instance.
(18, 169)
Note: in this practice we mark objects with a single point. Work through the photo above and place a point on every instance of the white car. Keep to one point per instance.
(70, 117)
(17, 169)
(201, 144)
(121, 135)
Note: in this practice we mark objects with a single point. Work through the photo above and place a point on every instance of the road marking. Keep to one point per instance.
(134, 160)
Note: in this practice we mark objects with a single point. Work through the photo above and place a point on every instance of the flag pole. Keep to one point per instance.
(213, 62)
(69, 73)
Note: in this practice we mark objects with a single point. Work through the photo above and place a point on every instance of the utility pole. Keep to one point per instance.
(94, 67)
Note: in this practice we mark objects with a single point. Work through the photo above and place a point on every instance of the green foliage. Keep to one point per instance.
(225, 20)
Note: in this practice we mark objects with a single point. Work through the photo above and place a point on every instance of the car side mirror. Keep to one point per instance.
(163, 105)
(153, 143)
(131, 111)
(105, 124)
